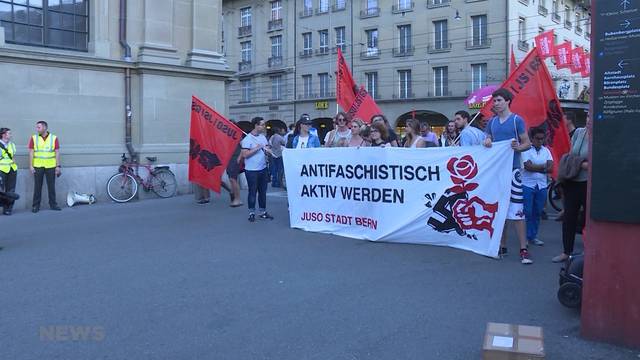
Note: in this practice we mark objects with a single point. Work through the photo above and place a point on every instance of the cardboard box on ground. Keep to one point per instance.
(512, 342)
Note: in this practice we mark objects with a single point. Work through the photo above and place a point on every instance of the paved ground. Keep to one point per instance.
(167, 279)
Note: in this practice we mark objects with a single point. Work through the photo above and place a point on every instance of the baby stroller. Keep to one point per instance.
(570, 291)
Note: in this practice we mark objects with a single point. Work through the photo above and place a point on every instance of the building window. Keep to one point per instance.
(372, 42)
(478, 76)
(567, 13)
(404, 4)
(372, 5)
(245, 51)
(479, 30)
(307, 86)
(324, 84)
(522, 29)
(324, 41)
(441, 39)
(340, 38)
(405, 38)
(323, 6)
(245, 86)
(276, 10)
(49, 23)
(307, 43)
(341, 4)
(440, 81)
(372, 83)
(245, 17)
(404, 84)
(276, 87)
(308, 6)
(276, 46)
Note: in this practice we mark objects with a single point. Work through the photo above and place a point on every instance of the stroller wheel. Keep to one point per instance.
(570, 295)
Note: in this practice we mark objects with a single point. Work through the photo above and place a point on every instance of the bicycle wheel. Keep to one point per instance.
(122, 188)
(554, 195)
(164, 183)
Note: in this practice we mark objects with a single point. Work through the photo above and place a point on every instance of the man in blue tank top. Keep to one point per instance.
(509, 126)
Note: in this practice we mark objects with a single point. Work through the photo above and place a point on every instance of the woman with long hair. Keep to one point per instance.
(412, 138)
(356, 126)
(379, 134)
(341, 134)
(302, 137)
(392, 137)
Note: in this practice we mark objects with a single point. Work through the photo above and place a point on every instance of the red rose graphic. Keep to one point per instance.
(475, 214)
(462, 170)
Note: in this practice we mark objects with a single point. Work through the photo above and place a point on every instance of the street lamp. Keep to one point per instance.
(457, 17)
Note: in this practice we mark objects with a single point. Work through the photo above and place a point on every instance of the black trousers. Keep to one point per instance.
(9, 181)
(50, 174)
(575, 197)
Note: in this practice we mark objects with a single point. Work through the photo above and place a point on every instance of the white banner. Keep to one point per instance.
(454, 196)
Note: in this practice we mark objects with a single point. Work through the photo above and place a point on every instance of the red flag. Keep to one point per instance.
(577, 55)
(545, 44)
(357, 102)
(513, 65)
(363, 106)
(586, 68)
(563, 55)
(536, 101)
(213, 139)
(345, 86)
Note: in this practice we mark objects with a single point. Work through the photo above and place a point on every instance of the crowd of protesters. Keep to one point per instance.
(531, 168)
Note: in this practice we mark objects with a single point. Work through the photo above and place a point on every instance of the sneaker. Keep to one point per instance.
(55, 208)
(524, 257)
(252, 217)
(266, 215)
(502, 252)
(203, 201)
(537, 242)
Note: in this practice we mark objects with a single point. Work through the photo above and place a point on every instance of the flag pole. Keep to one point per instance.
(471, 122)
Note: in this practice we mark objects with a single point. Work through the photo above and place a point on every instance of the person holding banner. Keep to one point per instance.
(506, 125)
(254, 152)
(379, 135)
(469, 135)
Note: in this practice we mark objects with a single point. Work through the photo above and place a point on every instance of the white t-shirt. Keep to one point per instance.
(258, 160)
(537, 157)
(303, 142)
(336, 137)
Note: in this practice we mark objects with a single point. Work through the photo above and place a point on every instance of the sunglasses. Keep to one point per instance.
(538, 138)
(375, 130)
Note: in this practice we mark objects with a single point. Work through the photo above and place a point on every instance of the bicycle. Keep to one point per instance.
(554, 195)
(123, 186)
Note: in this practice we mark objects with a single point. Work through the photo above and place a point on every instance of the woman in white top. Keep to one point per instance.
(356, 139)
(412, 138)
(341, 135)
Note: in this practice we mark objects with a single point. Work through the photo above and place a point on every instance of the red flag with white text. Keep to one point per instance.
(345, 86)
(355, 101)
(545, 44)
(212, 141)
(586, 65)
(577, 57)
(535, 99)
(563, 55)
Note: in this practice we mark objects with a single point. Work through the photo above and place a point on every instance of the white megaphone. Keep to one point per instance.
(76, 198)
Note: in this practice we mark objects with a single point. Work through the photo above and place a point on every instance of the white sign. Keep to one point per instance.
(450, 196)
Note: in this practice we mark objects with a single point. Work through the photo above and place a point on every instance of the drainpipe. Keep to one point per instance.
(127, 80)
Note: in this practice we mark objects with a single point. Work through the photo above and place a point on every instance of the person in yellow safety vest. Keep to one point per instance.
(44, 159)
(8, 167)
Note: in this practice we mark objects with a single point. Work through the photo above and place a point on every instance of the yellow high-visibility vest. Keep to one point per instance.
(44, 152)
(7, 162)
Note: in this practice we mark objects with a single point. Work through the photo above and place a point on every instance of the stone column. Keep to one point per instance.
(1, 35)
(100, 44)
(205, 35)
(157, 46)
